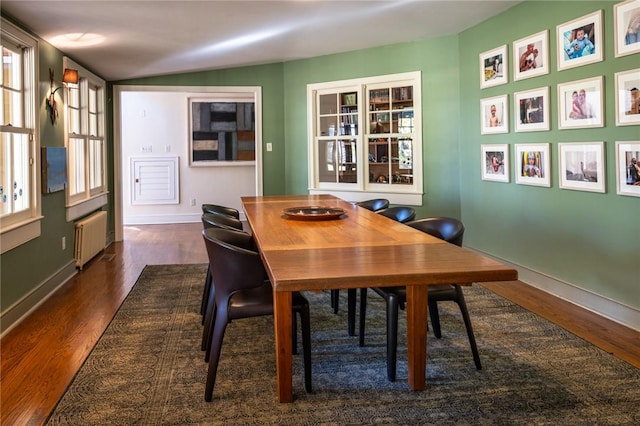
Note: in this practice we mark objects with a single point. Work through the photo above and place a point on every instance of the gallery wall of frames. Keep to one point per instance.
(579, 104)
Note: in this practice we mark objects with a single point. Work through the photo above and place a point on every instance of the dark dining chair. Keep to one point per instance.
(242, 290)
(402, 214)
(210, 220)
(218, 209)
(447, 229)
(374, 204)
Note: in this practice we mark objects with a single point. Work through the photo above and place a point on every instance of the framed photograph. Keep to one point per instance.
(493, 67)
(628, 168)
(580, 104)
(495, 115)
(626, 27)
(580, 41)
(628, 97)
(533, 164)
(581, 166)
(531, 56)
(495, 162)
(531, 110)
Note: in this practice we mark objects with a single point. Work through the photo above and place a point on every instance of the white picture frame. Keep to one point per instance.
(533, 164)
(574, 49)
(580, 103)
(627, 86)
(626, 27)
(495, 162)
(494, 113)
(494, 67)
(531, 56)
(625, 152)
(581, 166)
(531, 110)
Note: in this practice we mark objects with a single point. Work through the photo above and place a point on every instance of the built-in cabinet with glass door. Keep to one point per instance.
(365, 138)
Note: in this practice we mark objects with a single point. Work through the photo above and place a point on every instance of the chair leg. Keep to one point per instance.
(214, 354)
(294, 334)
(205, 294)
(392, 336)
(467, 323)
(209, 321)
(363, 315)
(306, 346)
(335, 297)
(435, 318)
(351, 311)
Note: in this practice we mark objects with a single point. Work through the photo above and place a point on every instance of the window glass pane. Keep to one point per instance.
(20, 184)
(93, 111)
(12, 87)
(5, 173)
(11, 68)
(12, 108)
(95, 158)
(76, 166)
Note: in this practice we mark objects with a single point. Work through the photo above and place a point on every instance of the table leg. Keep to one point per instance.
(417, 336)
(284, 362)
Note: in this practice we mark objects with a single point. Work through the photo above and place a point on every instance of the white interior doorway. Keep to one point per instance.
(154, 123)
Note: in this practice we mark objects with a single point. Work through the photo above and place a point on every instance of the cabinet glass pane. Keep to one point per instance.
(402, 97)
(328, 126)
(402, 161)
(403, 122)
(379, 100)
(328, 104)
(337, 161)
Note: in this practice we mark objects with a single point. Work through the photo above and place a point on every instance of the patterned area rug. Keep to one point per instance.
(147, 369)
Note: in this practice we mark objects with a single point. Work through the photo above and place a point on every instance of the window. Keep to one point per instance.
(365, 138)
(85, 142)
(19, 195)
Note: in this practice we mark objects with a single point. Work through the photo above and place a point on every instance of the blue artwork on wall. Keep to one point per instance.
(54, 169)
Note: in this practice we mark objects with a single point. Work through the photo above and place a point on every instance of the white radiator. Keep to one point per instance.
(90, 237)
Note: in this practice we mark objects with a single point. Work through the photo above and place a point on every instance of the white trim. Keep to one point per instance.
(15, 313)
(85, 207)
(593, 302)
(409, 199)
(166, 219)
(19, 235)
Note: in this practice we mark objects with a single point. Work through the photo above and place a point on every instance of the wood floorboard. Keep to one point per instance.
(41, 355)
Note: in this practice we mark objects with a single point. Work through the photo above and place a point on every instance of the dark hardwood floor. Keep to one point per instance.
(40, 356)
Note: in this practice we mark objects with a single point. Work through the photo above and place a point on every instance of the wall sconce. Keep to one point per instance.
(70, 76)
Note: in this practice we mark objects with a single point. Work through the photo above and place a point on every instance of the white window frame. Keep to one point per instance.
(363, 189)
(21, 227)
(89, 198)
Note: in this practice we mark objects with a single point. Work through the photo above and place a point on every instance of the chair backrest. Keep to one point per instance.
(235, 264)
(375, 204)
(445, 228)
(400, 214)
(224, 210)
(210, 220)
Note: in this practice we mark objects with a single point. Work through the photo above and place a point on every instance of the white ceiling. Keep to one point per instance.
(146, 38)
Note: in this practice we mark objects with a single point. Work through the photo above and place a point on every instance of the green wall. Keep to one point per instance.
(586, 239)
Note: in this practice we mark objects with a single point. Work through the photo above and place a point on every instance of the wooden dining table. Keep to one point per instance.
(358, 249)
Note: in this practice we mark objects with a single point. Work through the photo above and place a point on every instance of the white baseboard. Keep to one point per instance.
(27, 304)
(601, 305)
(164, 219)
